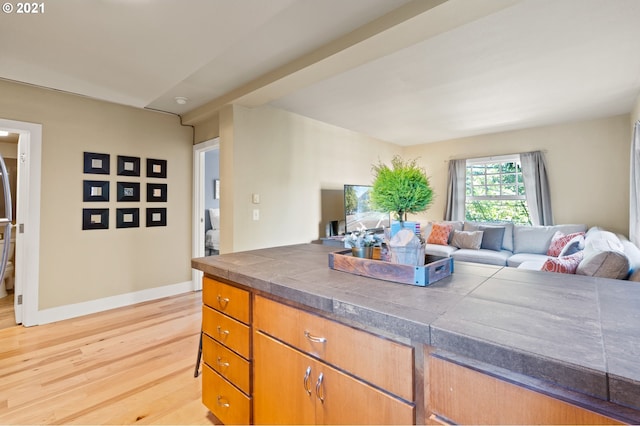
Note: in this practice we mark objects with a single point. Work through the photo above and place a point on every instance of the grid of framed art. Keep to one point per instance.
(128, 190)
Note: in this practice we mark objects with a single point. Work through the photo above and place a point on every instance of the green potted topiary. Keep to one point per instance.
(402, 188)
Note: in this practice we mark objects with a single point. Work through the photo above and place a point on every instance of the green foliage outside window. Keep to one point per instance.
(350, 200)
(495, 193)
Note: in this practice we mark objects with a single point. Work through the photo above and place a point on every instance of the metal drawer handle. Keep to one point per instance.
(320, 388)
(313, 338)
(305, 382)
(221, 403)
(223, 300)
(221, 363)
(222, 332)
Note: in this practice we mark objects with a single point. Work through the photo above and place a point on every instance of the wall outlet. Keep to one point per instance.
(256, 214)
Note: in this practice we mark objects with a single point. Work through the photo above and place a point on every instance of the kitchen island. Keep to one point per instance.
(486, 345)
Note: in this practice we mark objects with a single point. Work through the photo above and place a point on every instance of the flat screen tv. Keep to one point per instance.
(359, 215)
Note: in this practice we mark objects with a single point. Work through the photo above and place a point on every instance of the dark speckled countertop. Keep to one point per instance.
(580, 332)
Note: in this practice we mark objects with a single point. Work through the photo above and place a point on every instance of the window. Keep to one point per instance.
(495, 190)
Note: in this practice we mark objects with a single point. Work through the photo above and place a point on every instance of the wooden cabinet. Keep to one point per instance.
(226, 351)
(310, 370)
(461, 395)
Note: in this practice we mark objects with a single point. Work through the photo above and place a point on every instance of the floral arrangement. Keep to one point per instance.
(363, 238)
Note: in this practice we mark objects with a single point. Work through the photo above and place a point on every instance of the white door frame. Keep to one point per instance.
(198, 204)
(27, 255)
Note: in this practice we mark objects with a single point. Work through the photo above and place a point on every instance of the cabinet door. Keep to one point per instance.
(279, 393)
(341, 399)
(292, 388)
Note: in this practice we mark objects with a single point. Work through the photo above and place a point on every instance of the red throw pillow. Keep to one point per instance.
(558, 241)
(563, 265)
(440, 234)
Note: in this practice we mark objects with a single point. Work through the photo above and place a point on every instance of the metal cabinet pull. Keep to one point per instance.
(320, 388)
(222, 332)
(305, 382)
(314, 339)
(223, 300)
(221, 363)
(222, 403)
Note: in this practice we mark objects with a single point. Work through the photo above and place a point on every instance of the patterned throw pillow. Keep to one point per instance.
(563, 265)
(558, 241)
(439, 234)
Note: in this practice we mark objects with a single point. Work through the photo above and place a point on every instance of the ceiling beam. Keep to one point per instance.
(414, 22)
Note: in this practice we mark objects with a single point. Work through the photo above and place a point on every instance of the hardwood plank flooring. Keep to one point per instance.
(132, 365)
(7, 317)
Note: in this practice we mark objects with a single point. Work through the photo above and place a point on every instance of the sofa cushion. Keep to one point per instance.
(565, 264)
(507, 239)
(536, 239)
(633, 254)
(604, 256)
(439, 250)
(455, 224)
(492, 237)
(559, 241)
(439, 234)
(467, 239)
(517, 259)
(532, 265)
(490, 257)
(575, 245)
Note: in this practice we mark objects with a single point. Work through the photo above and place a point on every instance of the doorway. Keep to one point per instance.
(27, 219)
(206, 169)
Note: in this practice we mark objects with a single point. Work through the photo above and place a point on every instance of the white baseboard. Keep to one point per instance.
(60, 313)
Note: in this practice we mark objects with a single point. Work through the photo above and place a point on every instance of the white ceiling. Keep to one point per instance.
(421, 72)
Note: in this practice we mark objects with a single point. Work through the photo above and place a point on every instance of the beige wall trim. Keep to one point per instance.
(60, 313)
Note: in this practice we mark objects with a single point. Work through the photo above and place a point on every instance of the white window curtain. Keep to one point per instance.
(634, 199)
(456, 190)
(536, 186)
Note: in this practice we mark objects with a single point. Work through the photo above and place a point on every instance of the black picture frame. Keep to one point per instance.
(128, 191)
(95, 190)
(95, 219)
(128, 166)
(156, 217)
(128, 218)
(156, 168)
(156, 192)
(96, 163)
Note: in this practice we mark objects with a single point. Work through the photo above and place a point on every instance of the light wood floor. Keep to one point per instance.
(7, 317)
(132, 365)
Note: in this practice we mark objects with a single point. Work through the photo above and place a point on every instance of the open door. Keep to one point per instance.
(199, 151)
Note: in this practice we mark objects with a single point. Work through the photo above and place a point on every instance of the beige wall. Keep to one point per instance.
(588, 167)
(77, 265)
(289, 160)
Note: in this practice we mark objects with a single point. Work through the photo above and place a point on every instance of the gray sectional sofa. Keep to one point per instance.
(602, 253)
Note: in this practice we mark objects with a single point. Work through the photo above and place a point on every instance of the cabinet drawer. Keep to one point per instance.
(228, 364)
(226, 402)
(226, 298)
(467, 396)
(382, 362)
(231, 333)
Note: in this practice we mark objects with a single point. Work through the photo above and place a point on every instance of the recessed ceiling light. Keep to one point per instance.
(181, 100)
(4, 133)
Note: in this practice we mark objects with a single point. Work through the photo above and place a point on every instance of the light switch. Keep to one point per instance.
(256, 214)
(255, 198)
